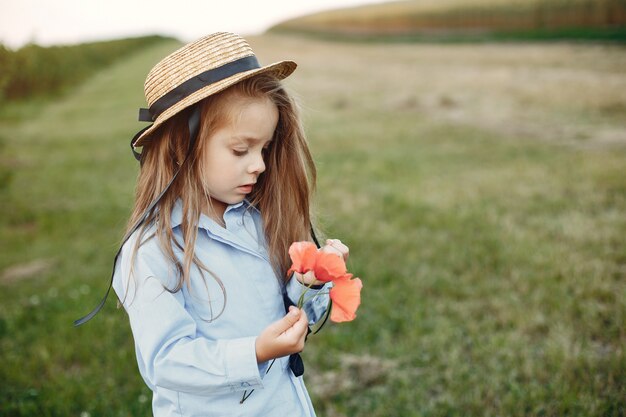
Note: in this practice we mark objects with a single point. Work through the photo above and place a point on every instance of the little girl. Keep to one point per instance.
(224, 189)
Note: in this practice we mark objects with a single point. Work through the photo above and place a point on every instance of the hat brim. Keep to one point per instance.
(280, 70)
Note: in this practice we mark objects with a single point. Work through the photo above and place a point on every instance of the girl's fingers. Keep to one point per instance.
(287, 322)
(336, 246)
(283, 337)
(295, 336)
(307, 278)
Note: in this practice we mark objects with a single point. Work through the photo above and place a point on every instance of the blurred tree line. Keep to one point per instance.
(34, 70)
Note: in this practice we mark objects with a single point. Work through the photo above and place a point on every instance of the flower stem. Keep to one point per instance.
(306, 300)
(301, 300)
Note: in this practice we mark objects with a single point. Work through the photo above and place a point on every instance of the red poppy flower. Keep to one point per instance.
(329, 266)
(303, 256)
(346, 296)
(346, 291)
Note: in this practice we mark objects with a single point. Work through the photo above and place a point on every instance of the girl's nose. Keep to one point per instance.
(258, 165)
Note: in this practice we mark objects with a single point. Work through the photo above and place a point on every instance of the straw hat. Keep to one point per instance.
(196, 71)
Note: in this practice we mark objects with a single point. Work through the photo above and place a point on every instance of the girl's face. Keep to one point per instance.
(234, 153)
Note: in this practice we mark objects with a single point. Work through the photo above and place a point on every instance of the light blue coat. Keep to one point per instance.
(199, 367)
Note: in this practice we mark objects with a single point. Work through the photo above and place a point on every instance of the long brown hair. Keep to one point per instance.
(282, 194)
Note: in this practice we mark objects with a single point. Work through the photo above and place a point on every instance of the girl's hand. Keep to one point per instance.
(283, 337)
(335, 246)
(331, 246)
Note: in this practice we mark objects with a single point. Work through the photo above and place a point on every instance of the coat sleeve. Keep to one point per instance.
(318, 300)
(170, 353)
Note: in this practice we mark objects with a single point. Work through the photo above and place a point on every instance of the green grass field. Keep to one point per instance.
(481, 189)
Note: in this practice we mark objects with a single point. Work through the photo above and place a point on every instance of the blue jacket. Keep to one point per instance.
(196, 366)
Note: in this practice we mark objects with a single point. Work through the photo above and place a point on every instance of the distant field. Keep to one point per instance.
(481, 190)
(469, 20)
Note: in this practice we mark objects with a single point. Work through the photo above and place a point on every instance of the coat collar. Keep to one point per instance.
(205, 221)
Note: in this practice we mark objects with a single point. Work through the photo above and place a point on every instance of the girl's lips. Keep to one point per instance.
(246, 189)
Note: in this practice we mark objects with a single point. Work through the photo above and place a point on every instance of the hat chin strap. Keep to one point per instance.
(136, 154)
(193, 125)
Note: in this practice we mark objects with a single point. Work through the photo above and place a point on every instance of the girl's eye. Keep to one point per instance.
(239, 152)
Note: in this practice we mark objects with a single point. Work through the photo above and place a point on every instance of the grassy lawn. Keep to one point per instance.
(481, 189)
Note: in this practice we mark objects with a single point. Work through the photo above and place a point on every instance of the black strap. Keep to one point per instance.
(194, 125)
(144, 115)
(196, 83)
(136, 154)
(315, 238)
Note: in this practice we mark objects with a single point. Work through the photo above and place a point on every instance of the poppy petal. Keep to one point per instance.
(343, 277)
(329, 266)
(346, 296)
(303, 255)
